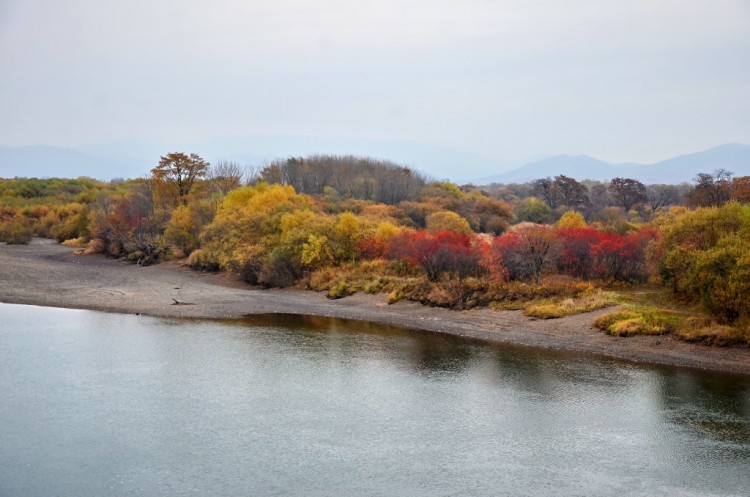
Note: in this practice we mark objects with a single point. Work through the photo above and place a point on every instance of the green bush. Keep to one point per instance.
(706, 256)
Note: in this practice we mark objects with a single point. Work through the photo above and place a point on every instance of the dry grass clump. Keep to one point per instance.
(95, 246)
(415, 289)
(200, 260)
(631, 322)
(174, 254)
(339, 290)
(79, 242)
(593, 301)
(548, 288)
(706, 331)
(644, 320)
(562, 297)
(373, 277)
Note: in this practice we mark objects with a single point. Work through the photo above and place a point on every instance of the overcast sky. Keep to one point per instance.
(636, 80)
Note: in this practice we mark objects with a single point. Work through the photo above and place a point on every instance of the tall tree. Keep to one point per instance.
(741, 189)
(527, 249)
(661, 196)
(181, 170)
(571, 192)
(712, 190)
(547, 190)
(598, 196)
(225, 176)
(627, 193)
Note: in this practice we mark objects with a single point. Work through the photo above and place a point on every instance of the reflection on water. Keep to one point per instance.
(101, 404)
(686, 399)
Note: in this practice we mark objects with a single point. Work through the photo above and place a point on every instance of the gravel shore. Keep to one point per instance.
(47, 274)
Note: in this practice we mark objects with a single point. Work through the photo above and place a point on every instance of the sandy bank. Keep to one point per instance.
(50, 275)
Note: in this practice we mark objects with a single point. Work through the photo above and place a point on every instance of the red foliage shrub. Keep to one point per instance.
(576, 258)
(438, 253)
(622, 257)
(526, 250)
(372, 248)
(508, 251)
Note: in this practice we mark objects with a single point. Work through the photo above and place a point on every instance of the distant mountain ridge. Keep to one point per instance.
(733, 157)
(131, 159)
(42, 161)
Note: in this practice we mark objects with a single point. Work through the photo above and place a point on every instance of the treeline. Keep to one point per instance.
(51, 208)
(546, 199)
(347, 177)
(345, 224)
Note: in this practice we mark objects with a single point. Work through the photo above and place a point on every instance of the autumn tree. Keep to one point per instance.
(575, 257)
(527, 249)
(740, 189)
(510, 193)
(246, 235)
(711, 190)
(225, 176)
(704, 255)
(129, 224)
(627, 193)
(485, 214)
(376, 246)
(599, 198)
(447, 221)
(416, 213)
(660, 196)
(347, 234)
(437, 254)
(571, 219)
(621, 257)
(613, 219)
(183, 229)
(533, 210)
(570, 192)
(180, 170)
(547, 190)
(309, 237)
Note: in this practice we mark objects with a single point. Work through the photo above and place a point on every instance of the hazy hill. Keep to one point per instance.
(733, 157)
(576, 166)
(47, 161)
(131, 158)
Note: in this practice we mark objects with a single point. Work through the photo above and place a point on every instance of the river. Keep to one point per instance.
(98, 404)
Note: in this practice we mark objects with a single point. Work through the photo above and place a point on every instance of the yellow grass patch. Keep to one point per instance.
(567, 307)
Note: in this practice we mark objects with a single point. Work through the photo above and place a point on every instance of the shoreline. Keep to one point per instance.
(51, 275)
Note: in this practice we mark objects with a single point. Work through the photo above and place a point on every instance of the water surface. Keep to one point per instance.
(97, 404)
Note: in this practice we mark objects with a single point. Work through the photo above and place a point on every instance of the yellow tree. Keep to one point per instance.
(571, 219)
(180, 170)
(306, 234)
(348, 233)
(246, 233)
(448, 221)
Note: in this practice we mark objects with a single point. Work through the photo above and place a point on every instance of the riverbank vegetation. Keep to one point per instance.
(339, 224)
